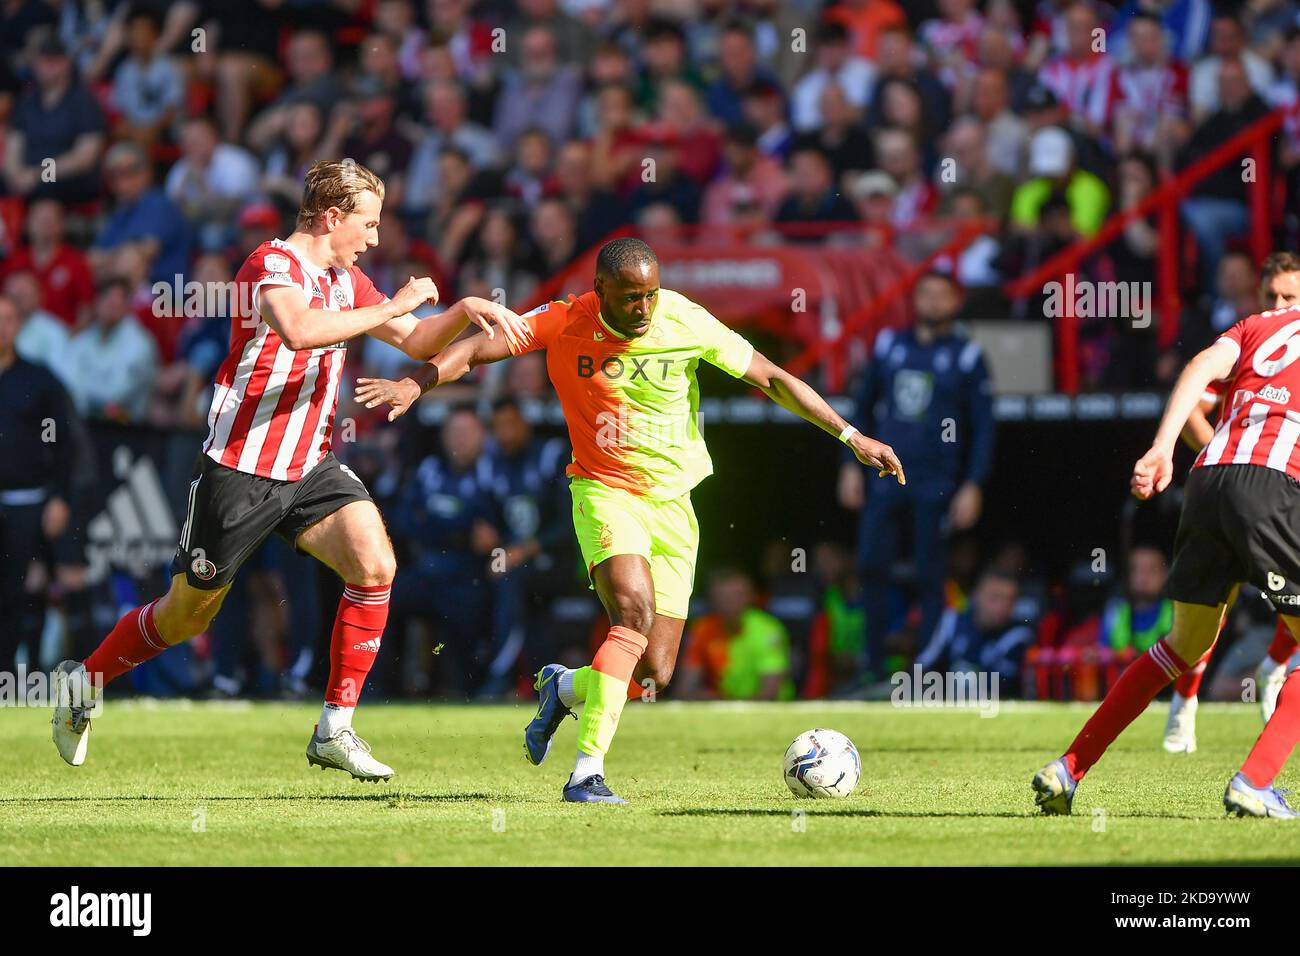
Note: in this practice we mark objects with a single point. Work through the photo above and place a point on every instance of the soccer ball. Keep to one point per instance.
(822, 763)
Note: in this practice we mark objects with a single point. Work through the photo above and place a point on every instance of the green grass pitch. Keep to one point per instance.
(174, 783)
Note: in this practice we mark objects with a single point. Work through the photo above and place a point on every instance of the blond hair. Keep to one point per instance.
(335, 184)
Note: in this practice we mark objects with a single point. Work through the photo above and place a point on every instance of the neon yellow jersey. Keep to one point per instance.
(632, 405)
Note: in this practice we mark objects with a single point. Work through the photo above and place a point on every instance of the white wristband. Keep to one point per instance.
(849, 432)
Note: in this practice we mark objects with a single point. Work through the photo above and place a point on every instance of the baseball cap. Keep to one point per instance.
(875, 182)
(1051, 152)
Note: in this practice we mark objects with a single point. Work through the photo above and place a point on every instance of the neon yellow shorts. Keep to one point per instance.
(610, 521)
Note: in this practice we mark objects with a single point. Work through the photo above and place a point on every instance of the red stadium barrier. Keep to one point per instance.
(1164, 200)
(876, 313)
(796, 291)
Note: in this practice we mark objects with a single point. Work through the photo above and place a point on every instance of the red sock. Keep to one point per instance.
(134, 640)
(1279, 737)
(1136, 688)
(1283, 645)
(354, 642)
(1189, 684)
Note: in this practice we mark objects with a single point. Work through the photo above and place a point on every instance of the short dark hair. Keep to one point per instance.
(832, 31)
(663, 28)
(507, 403)
(1276, 264)
(969, 192)
(620, 254)
(729, 572)
(942, 276)
(138, 11)
(111, 282)
(463, 408)
(1241, 254)
(995, 573)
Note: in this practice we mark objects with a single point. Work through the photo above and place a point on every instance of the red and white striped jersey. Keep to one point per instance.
(272, 408)
(1148, 94)
(1086, 87)
(1260, 422)
(943, 38)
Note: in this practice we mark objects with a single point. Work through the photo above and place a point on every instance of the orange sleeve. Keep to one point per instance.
(541, 326)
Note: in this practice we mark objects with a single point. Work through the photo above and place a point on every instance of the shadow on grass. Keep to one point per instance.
(734, 812)
(899, 814)
(381, 796)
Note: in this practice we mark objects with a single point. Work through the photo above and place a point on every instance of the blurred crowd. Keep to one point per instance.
(151, 141)
(154, 143)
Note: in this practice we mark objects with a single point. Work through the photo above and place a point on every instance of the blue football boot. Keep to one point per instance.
(550, 712)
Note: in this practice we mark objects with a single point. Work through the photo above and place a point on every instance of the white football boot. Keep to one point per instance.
(346, 751)
(1180, 731)
(70, 724)
(1269, 678)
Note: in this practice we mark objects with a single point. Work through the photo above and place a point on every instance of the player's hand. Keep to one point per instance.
(485, 313)
(1152, 474)
(878, 455)
(850, 488)
(415, 293)
(54, 519)
(372, 392)
(967, 505)
(482, 536)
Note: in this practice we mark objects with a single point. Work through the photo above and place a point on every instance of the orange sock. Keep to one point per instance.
(617, 657)
(607, 684)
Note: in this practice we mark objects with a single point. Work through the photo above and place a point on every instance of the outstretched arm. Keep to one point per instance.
(447, 366)
(285, 310)
(1155, 469)
(422, 339)
(797, 396)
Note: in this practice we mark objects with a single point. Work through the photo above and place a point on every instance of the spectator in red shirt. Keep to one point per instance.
(1083, 78)
(67, 286)
(1151, 93)
(899, 156)
(682, 117)
(865, 20)
(761, 178)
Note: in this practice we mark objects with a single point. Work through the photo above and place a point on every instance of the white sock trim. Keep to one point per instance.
(587, 765)
(564, 688)
(333, 718)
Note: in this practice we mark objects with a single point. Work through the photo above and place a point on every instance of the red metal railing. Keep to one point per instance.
(1163, 200)
(868, 319)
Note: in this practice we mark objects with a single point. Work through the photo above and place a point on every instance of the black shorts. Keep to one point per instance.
(1240, 525)
(229, 514)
